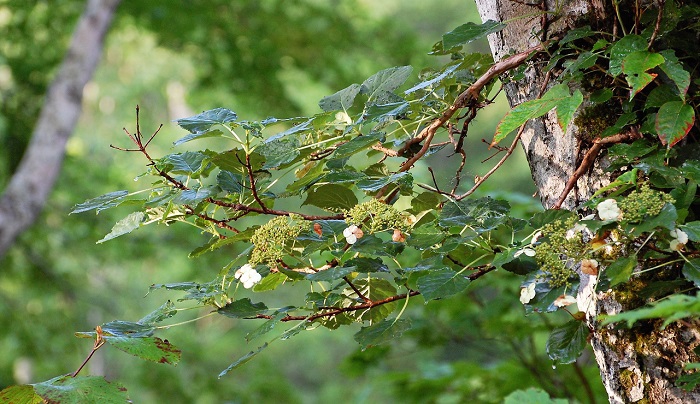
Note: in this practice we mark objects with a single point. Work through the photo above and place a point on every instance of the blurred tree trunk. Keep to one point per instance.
(634, 366)
(31, 184)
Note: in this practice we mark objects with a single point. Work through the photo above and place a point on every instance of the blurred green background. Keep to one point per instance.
(260, 59)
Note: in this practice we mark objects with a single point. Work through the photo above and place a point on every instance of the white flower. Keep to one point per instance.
(680, 238)
(564, 300)
(352, 234)
(248, 276)
(526, 294)
(527, 251)
(608, 210)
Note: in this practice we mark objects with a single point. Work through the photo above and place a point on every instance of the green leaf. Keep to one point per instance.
(124, 226)
(127, 329)
(367, 265)
(242, 361)
(441, 284)
(270, 282)
(230, 182)
(384, 112)
(101, 203)
(195, 195)
(279, 152)
(330, 274)
(243, 308)
(469, 32)
(621, 270)
(164, 312)
(675, 71)
(371, 185)
(203, 122)
(267, 326)
(331, 197)
(674, 121)
(342, 100)
(691, 271)
(81, 390)
(380, 86)
(381, 332)
(426, 236)
(195, 136)
(635, 66)
(556, 97)
(184, 163)
(622, 48)
(672, 308)
(660, 96)
(567, 341)
(357, 144)
(472, 211)
(687, 382)
(566, 109)
(531, 396)
(20, 394)
(692, 229)
(437, 79)
(577, 33)
(148, 348)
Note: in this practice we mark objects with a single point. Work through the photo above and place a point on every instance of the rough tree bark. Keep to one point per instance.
(26, 194)
(639, 364)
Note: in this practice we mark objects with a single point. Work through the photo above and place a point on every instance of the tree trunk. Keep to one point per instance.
(36, 174)
(635, 364)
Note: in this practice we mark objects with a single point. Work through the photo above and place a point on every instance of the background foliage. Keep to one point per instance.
(176, 59)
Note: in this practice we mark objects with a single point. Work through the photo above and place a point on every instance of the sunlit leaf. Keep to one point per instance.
(672, 308)
(380, 86)
(621, 270)
(619, 51)
(24, 394)
(635, 66)
(124, 226)
(279, 152)
(184, 163)
(342, 100)
(357, 144)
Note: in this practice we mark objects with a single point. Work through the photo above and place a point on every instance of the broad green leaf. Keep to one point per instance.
(674, 121)
(243, 308)
(687, 382)
(472, 212)
(330, 274)
(357, 144)
(367, 265)
(375, 289)
(469, 32)
(384, 112)
(279, 152)
(577, 33)
(675, 71)
(621, 270)
(566, 109)
(185, 163)
(382, 332)
(101, 203)
(195, 195)
(381, 85)
(441, 283)
(233, 161)
(148, 348)
(230, 182)
(691, 271)
(270, 282)
(692, 229)
(635, 66)
(660, 96)
(267, 326)
(339, 177)
(622, 48)
(81, 390)
(342, 100)
(567, 341)
(242, 361)
(672, 308)
(532, 396)
(23, 394)
(164, 312)
(539, 219)
(553, 98)
(331, 197)
(372, 185)
(124, 226)
(426, 236)
(202, 123)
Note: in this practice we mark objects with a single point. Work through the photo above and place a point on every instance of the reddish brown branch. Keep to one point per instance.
(590, 157)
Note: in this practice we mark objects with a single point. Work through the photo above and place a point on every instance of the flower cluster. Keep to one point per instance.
(270, 239)
(375, 216)
(642, 203)
(248, 276)
(352, 234)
